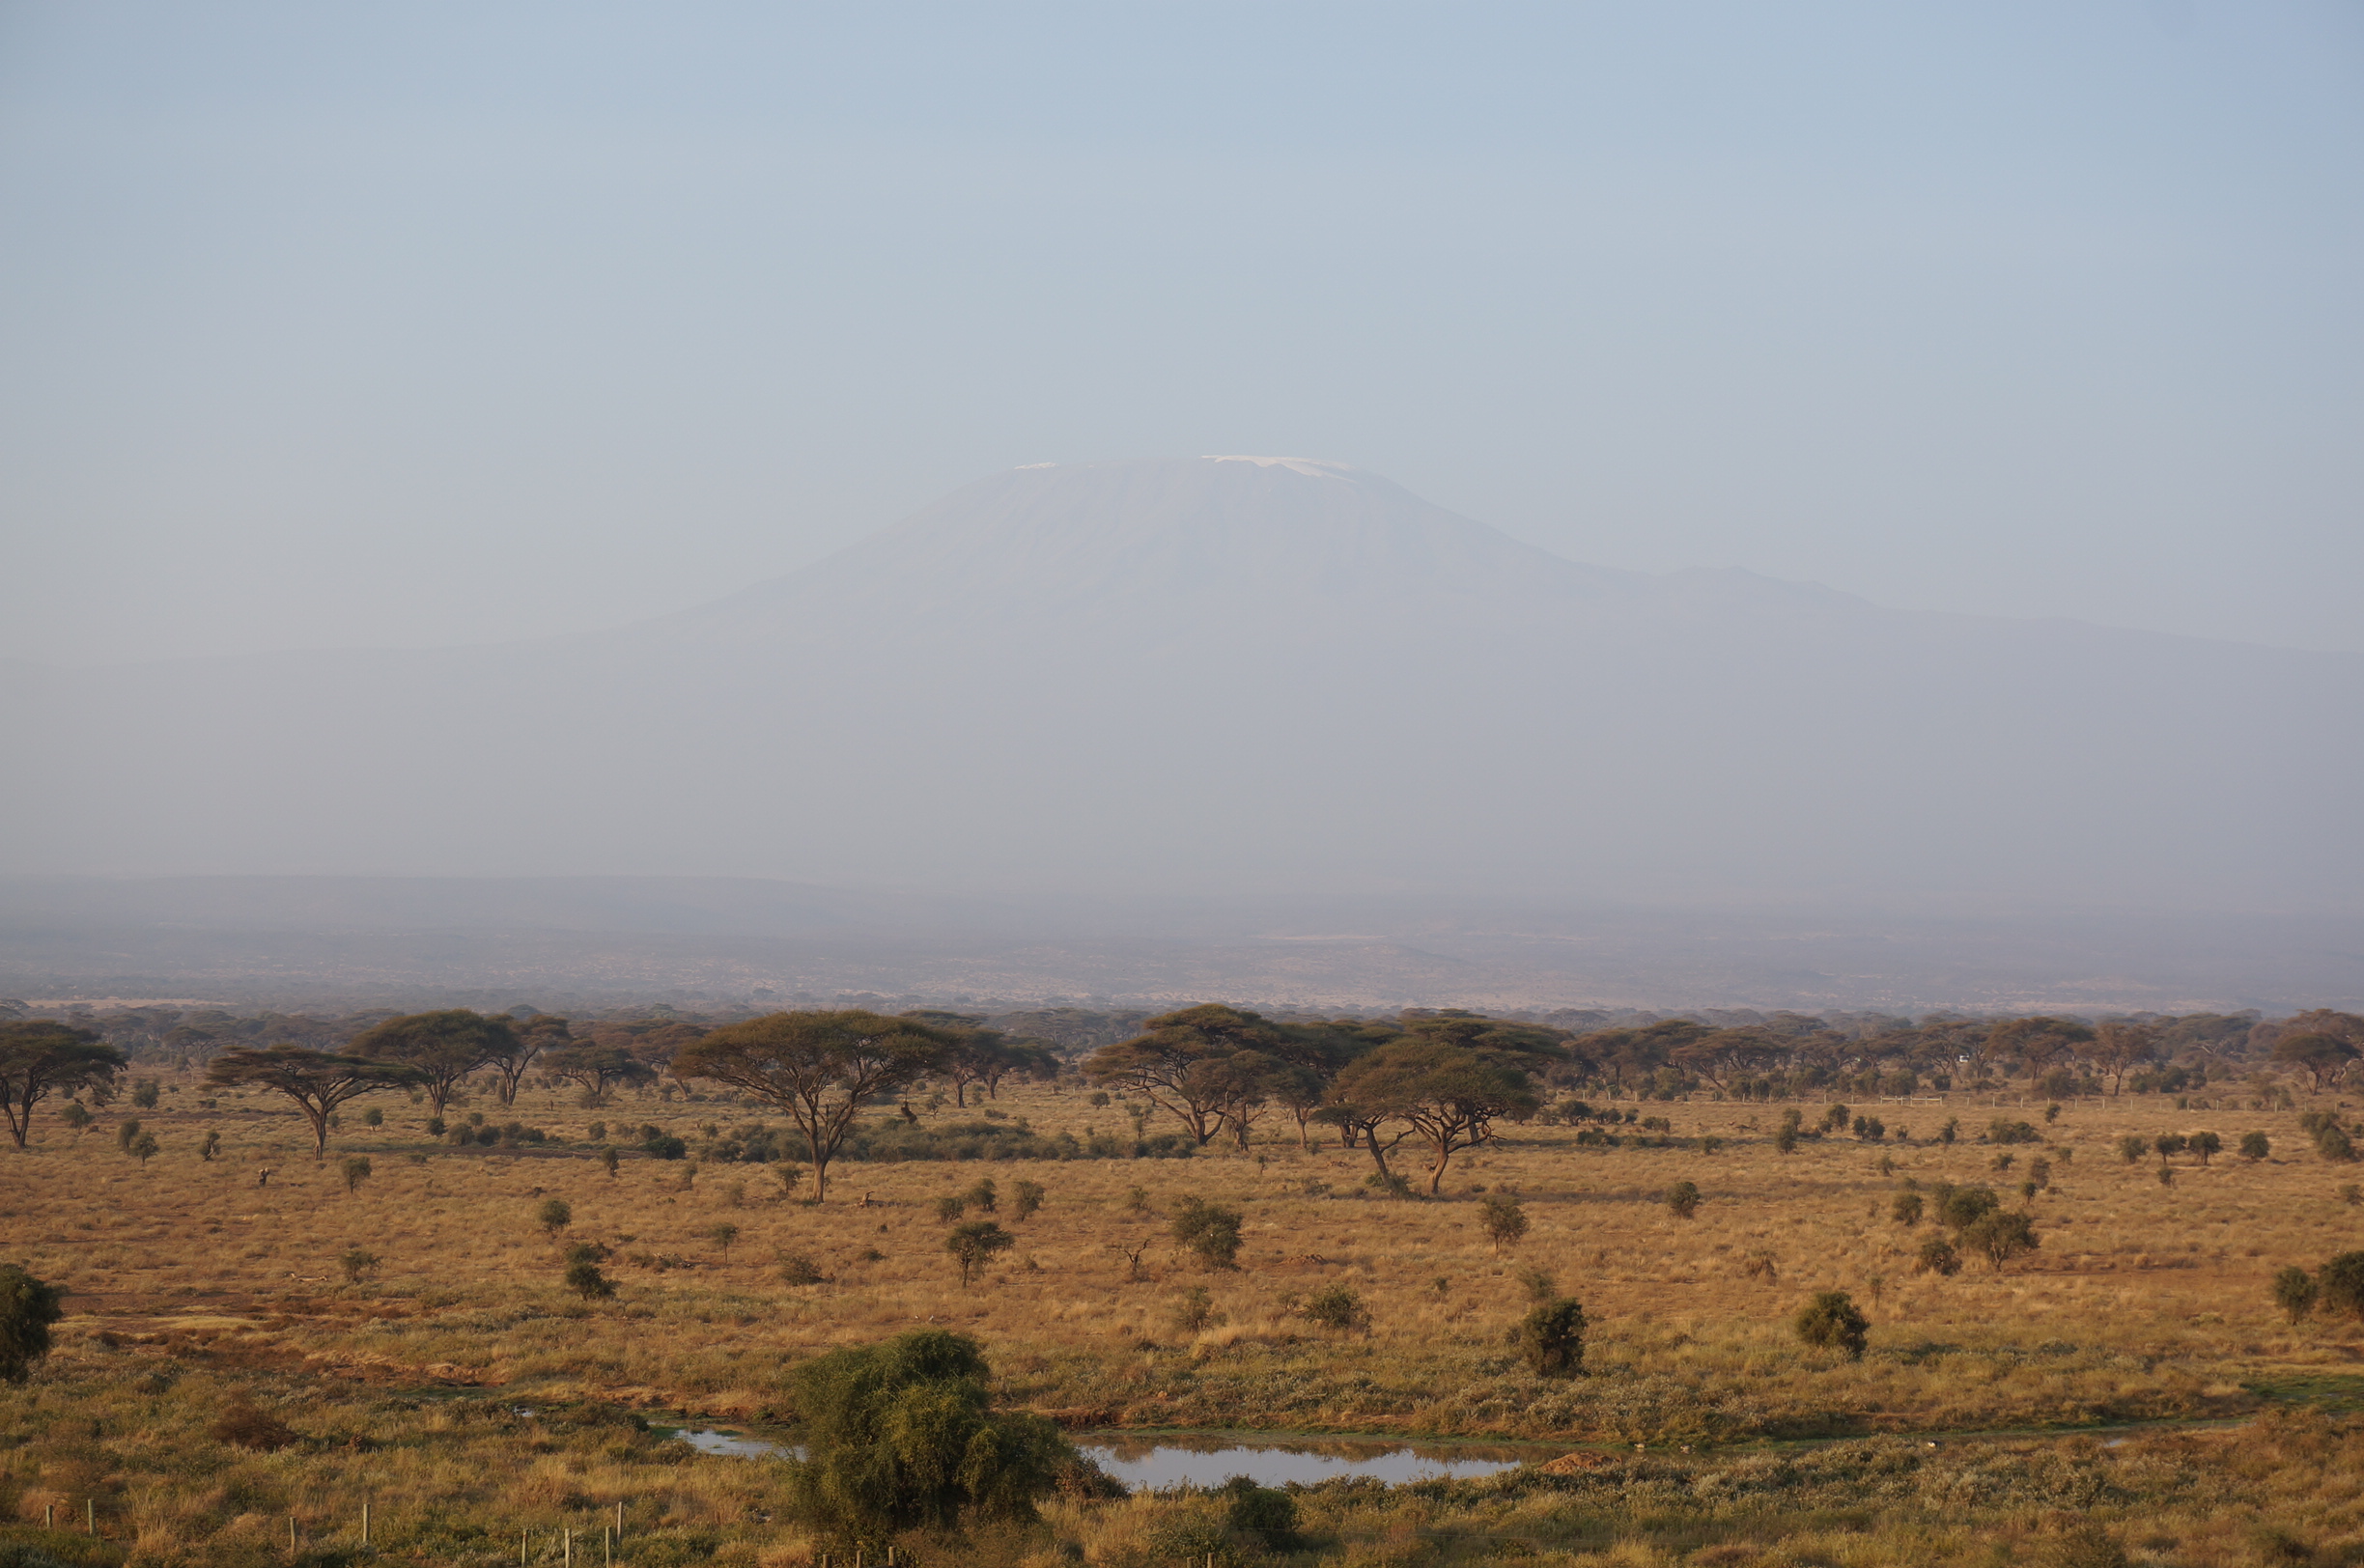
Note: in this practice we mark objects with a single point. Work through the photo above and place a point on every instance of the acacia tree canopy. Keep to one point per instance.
(819, 1068)
(1449, 1094)
(445, 1046)
(599, 1069)
(1174, 1062)
(512, 1057)
(39, 1057)
(2321, 1056)
(316, 1081)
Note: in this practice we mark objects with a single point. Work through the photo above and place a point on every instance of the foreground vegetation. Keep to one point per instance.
(409, 1321)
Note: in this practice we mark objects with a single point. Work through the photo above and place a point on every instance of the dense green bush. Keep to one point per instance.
(2294, 1292)
(28, 1306)
(1209, 1232)
(2342, 1285)
(1550, 1339)
(902, 1436)
(1831, 1321)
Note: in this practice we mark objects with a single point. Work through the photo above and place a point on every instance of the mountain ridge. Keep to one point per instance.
(1162, 675)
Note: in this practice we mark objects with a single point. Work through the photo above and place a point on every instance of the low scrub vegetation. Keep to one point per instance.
(278, 1312)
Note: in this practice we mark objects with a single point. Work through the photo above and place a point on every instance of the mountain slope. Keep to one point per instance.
(1229, 673)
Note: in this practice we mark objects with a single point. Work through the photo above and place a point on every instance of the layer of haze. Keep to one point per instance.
(336, 324)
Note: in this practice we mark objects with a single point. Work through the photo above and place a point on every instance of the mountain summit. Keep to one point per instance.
(1218, 673)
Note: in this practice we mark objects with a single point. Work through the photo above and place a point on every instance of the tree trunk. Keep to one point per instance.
(318, 1117)
(820, 1164)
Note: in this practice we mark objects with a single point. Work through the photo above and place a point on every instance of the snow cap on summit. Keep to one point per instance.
(1313, 466)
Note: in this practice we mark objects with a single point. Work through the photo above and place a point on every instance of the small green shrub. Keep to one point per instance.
(1938, 1258)
(1682, 1199)
(1262, 1513)
(1335, 1306)
(2294, 1292)
(1831, 1321)
(1209, 1232)
(1195, 1313)
(1026, 1199)
(28, 1306)
(1550, 1339)
(555, 1215)
(1503, 1220)
(2342, 1285)
(584, 1279)
(973, 1245)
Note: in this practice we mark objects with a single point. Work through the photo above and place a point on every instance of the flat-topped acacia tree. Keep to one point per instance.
(1448, 1093)
(39, 1057)
(445, 1046)
(316, 1081)
(819, 1068)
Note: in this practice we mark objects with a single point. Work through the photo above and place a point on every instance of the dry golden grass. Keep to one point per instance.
(2145, 1300)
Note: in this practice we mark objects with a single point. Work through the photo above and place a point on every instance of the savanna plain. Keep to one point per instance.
(260, 1342)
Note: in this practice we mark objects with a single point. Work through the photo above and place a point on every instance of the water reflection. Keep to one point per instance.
(1211, 1461)
(711, 1440)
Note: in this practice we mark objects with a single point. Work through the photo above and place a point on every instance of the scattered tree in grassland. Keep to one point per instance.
(1209, 1232)
(1502, 1220)
(1682, 1199)
(1831, 1321)
(356, 1171)
(972, 1246)
(2132, 1148)
(1550, 1339)
(442, 1046)
(39, 1059)
(2000, 1236)
(1027, 1201)
(2207, 1145)
(356, 1264)
(722, 1235)
(2322, 1057)
(316, 1081)
(819, 1068)
(1907, 1208)
(555, 1215)
(2255, 1146)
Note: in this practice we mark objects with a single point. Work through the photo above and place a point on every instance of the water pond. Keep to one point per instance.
(1213, 1459)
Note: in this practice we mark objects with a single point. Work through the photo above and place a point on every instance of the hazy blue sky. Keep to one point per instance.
(365, 323)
